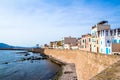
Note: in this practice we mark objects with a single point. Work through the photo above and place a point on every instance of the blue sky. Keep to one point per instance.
(28, 22)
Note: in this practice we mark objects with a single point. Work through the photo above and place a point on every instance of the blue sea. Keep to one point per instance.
(11, 68)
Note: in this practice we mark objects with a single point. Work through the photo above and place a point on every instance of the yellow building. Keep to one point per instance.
(84, 42)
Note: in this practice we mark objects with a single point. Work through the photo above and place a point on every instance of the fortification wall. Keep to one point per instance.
(87, 64)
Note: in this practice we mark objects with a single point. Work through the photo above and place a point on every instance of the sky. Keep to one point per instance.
(31, 22)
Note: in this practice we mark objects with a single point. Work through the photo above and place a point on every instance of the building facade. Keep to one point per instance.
(84, 43)
(69, 43)
(56, 45)
(103, 38)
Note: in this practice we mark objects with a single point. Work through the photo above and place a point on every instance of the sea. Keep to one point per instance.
(13, 68)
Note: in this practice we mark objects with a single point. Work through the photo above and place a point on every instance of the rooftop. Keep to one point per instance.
(86, 35)
(102, 22)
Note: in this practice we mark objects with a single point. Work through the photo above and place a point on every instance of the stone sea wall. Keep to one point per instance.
(87, 64)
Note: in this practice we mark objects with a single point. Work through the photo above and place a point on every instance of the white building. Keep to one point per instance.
(104, 39)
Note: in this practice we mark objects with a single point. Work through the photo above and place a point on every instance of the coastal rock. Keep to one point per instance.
(41, 57)
(5, 63)
(32, 58)
(26, 54)
(22, 52)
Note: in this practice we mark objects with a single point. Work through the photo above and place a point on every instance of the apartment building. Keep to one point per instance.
(53, 45)
(115, 46)
(69, 43)
(84, 43)
(105, 39)
(102, 39)
(56, 45)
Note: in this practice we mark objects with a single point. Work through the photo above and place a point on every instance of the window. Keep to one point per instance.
(101, 42)
(97, 41)
(118, 32)
(83, 41)
(109, 51)
(108, 41)
(115, 41)
(106, 32)
(115, 32)
(93, 34)
(98, 33)
(89, 39)
(101, 50)
(103, 32)
(111, 32)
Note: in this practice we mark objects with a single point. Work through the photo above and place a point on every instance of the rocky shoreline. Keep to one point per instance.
(68, 71)
(28, 57)
(27, 65)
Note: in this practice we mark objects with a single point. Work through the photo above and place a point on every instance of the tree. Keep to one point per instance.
(59, 43)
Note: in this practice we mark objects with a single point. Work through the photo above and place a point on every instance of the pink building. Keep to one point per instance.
(70, 43)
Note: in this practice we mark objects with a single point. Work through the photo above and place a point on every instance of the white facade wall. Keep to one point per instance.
(105, 38)
(66, 46)
(94, 39)
(106, 41)
(74, 47)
